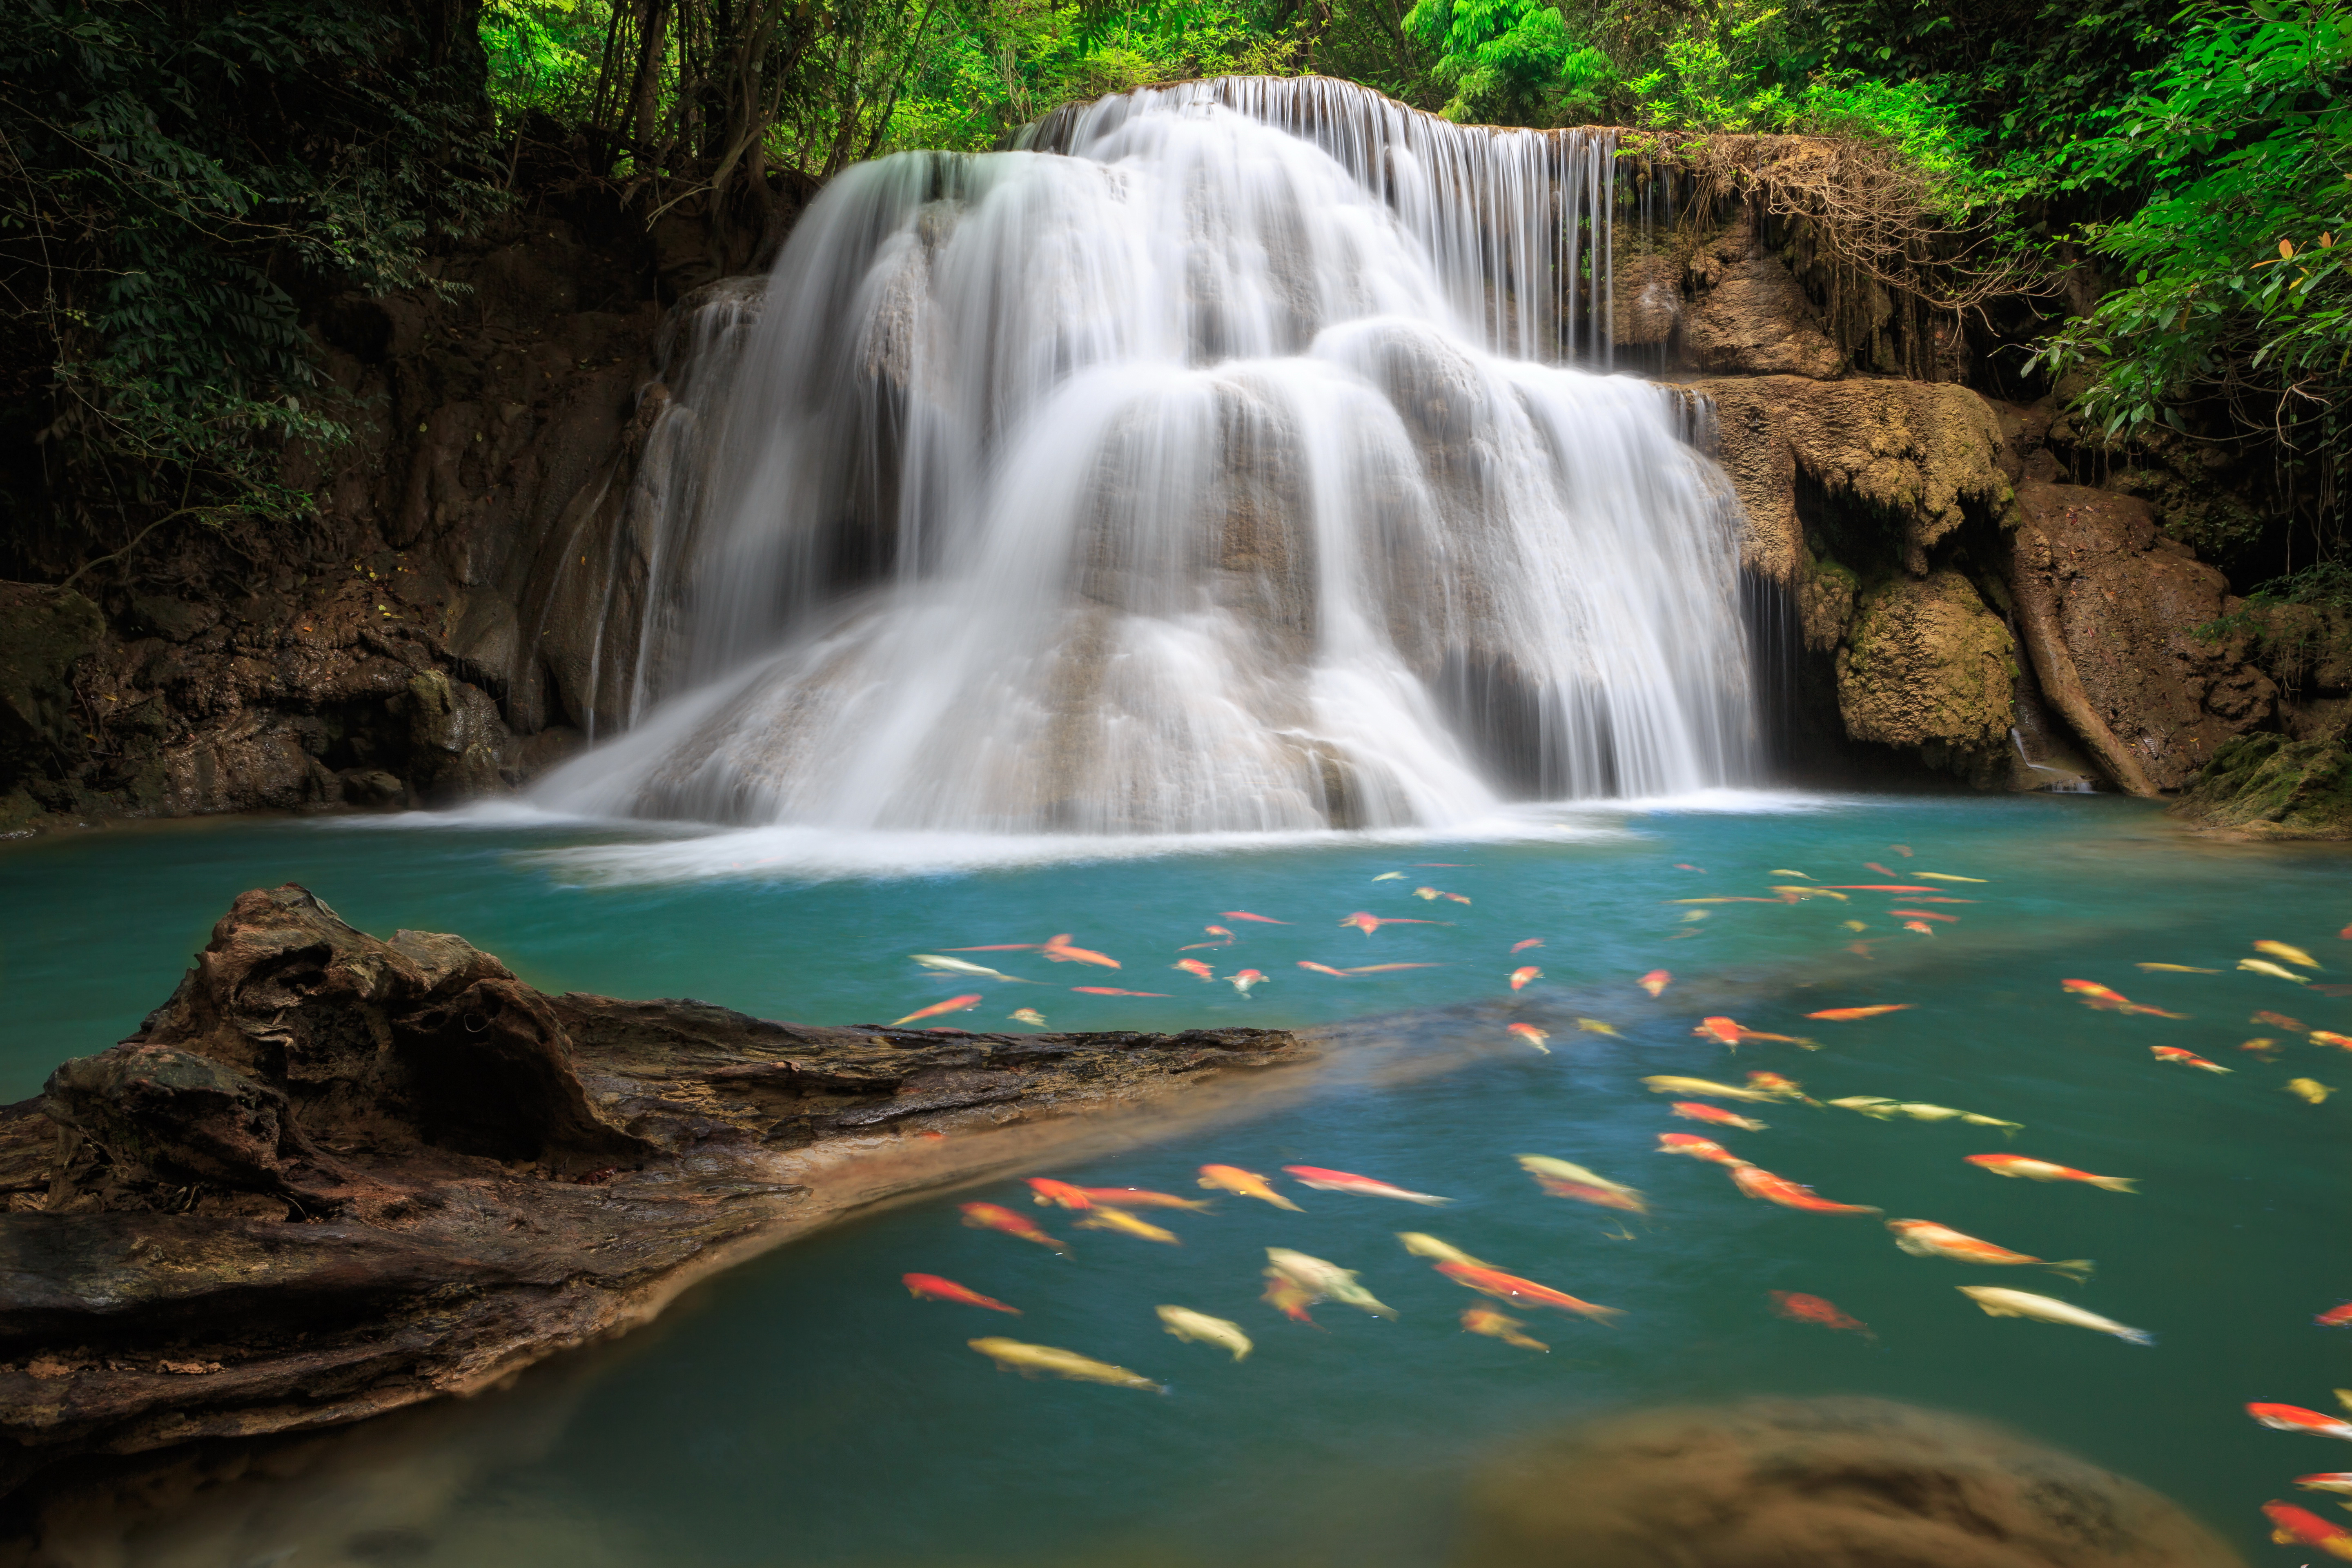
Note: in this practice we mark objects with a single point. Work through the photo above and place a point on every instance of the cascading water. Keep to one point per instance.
(1208, 464)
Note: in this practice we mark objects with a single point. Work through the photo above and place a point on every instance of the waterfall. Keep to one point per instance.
(1215, 460)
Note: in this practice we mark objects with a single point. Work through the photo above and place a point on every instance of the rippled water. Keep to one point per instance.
(804, 1410)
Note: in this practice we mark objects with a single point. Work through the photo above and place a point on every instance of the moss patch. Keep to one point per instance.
(2267, 787)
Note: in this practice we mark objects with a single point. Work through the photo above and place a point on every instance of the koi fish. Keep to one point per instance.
(2264, 966)
(1420, 1243)
(1523, 946)
(932, 1287)
(2291, 955)
(1284, 1295)
(1564, 1179)
(1927, 915)
(1697, 1148)
(1760, 1182)
(1531, 1035)
(1687, 865)
(2292, 1526)
(1879, 888)
(1244, 1183)
(1325, 1180)
(1520, 977)
(2296, 1418)
(1369, 924)
(2334, 1317)
(1791, 895)
(2310, 1091)
(1848, 1014)
(1328, 1281)
(1692, 1111)
(1452, 898)
(1937, 899)
(1595, 1027)
(1853, 925)
(1799, 1307)
(1658, 980)
(1246, 981)
(1667, 1083)
(1058, 949)
(1139, 1198)
(1194, 966)
(1926, 1239)
(1115, 991)
(2043, 1170)
(2175, 969)
(952, 1005)
(1245, 915)
(1922, 927)
(2281, 1021)
(1727, 898)
(1213, 931)
(1049, 1193)
(1120, 1220)
(2096, 996)
(1199, 1328)
(2330, 1038)
(1947, 876)
(1388, 968)
(1511, 1288)
(2263, 1048)
(1733, 1033)
(2338, 1482)
(1920, 1110)
(1500, 1326)
(1322, 968)
(947, 966)
(1027, 1360)
(1390, 877)
(1881, 870)
(1999, 1301)
(991, 1217)
(1026, 1016)
(2186, 1059)
(1779, 871)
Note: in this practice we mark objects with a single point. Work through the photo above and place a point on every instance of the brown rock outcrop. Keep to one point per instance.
(2111, 611)
(1927, 668)
(334, 1175)
(1748, 316)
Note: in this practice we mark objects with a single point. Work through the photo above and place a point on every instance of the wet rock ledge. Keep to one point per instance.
(334, 1175)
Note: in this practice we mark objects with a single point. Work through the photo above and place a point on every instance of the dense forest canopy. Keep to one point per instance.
(181, 180)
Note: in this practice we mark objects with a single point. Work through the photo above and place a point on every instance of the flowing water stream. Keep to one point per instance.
(805, 1411)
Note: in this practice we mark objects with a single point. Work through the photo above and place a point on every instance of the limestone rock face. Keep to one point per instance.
(457, 743)
(1749, 316)
(2126, 603)
(1926, 666)
(1920, 452)
(2268, 786)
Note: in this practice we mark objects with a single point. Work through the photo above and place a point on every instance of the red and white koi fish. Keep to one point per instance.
(1730, 1032)
(1386, 968)
(1658, 980)
(1697, 1148)
(1566, 1179)
(952, 1005)
(932, 1287)
(2296, 1418)
(1194, 966)
(1213, 931)
(1799, 1307)
(2334, 1317)
(1322, 969)
(1848, 1014)
(1286, 1296)
(1521, 976)
(1115, 991)
(2330, 1038)
(1142, 1198)
(1692, 1111)
(1523, 946)
(2043, 1170)
(1244, 1183)
(1760, 1182)
(1246, 981)
(2337, 1481)
(2292, 1526)
(992, 1217)
(1325, 1180)
(1059, 1194)
(1922, 927)
(1369, 924)
(2186, 1059)
(1245, 915)
(1773, 1083)
(1927, 915)
(1926, 1239)
(2095, 995)
(1511, 1288)
(1531, 1035)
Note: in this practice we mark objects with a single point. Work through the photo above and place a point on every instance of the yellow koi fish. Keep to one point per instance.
(2264, 966)
(1199, 1328)
(1667, 1083)
(1420, 1243)
(2292, 955)
(1500, 1326)
(1244, 1183)
(1011, 1355)
(1120, 1220)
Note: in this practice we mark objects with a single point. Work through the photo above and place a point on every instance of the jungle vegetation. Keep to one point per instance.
(2168, 185)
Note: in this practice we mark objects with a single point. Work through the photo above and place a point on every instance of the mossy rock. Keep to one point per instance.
(2267, 787)
(1927, 669)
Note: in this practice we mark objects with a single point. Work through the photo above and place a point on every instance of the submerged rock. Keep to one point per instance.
(1828, 1483)
(334, 1175)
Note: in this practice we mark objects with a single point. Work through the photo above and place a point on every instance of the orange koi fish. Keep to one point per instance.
(1523, 946)
(1324, 1181)
(1731, 1033)
(2281, 1021)
(1697, 1148)
(2338, 1482)
(1881, 870)
(1922, 927)
(1926, 1239)
(1142, 1198)
(2095, 995)
(1799, 1307)
(1658, 980)
(1245, 915)
(1520, 977)
(1758, 1182)
(1511, 1288)
(1246, 981)
(1059, 1194)
(1244, 1183)
(2334, 1317)
(2043, 1170)
(2186, 1059)
(1213, 931)
(1531, 1035)
(990, 1217)
(1369, 924)
(1692, 1111)
(1115, 991)
(1194, 966)
(1848, 1014)
(1685, 866)
(1926, 915)
(952, 1005)
(1499, 1326)
(2263, 1046)
(1386, 968)
(2330, 1038)
(1322, 969)
(1937, 899)
(1058, 949)
(2294, 1419)
(2292, 1526)
(931, 1288)
(1288, 1296)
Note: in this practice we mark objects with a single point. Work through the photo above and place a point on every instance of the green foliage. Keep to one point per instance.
(1508, 62)
(544, 55)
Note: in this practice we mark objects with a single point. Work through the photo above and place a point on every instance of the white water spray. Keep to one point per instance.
(1211, 470)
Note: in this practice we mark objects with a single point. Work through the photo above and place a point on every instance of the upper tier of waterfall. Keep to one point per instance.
(1215, 461)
